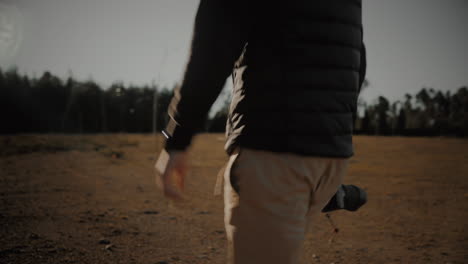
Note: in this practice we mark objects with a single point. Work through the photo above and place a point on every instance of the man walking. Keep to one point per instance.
(298, 66)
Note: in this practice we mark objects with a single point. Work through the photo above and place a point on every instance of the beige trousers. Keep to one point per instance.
(269, 199)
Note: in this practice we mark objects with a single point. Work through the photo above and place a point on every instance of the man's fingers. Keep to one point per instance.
(180, 176)
(171, 169)
(173, 182)
(173, 194)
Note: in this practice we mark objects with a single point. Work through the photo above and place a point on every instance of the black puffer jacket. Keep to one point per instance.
(296, 80)
(296, 85)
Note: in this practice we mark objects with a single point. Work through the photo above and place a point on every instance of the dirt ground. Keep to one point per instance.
(92, 199)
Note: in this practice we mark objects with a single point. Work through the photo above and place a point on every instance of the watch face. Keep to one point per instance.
(10, 32)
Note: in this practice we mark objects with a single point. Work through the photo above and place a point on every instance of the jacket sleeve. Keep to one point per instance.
(362, 77)
(219, 36)
(363, 67)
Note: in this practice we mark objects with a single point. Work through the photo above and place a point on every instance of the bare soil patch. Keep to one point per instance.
(92, 199)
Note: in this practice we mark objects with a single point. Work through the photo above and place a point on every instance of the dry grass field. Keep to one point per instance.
(92, 199)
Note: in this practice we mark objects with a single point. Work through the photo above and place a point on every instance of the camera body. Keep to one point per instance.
(348, 197)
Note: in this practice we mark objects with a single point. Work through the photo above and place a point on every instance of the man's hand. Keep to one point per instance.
(171, 170)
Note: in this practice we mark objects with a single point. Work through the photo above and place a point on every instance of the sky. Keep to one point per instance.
(411, 43)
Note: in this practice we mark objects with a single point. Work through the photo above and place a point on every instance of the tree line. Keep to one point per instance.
(51, 105)
(429, 112)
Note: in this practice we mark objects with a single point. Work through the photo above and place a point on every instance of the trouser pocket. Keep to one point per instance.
(226, 175)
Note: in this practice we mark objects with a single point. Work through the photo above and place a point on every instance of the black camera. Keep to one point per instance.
(348, 197)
